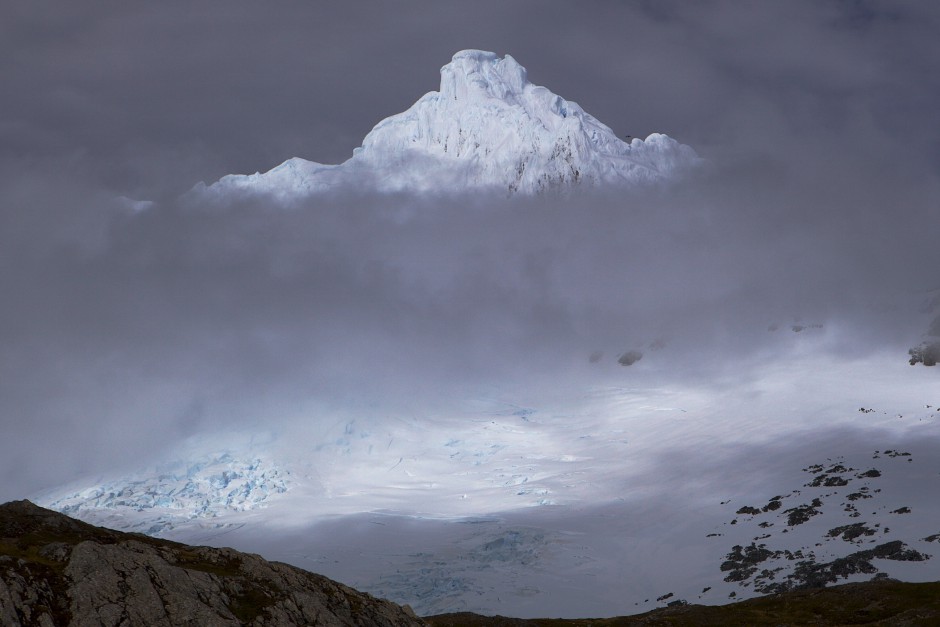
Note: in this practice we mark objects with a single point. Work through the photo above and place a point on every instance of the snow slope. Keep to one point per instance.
(487, 127)
(613, 501)
(620, 500)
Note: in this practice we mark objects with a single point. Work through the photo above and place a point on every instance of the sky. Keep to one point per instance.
(123, 333)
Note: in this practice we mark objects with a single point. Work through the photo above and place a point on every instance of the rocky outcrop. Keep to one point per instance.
(59, 571)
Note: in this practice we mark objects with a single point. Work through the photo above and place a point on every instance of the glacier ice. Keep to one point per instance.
(160, 498)
(487, 127)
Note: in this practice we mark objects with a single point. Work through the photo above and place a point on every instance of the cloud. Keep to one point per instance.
(122, 332)
(147, 326)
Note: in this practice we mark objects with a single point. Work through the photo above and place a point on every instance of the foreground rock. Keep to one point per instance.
(58, 571)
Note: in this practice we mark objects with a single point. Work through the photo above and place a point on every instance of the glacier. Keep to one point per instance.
(487, 128)
(532, 503)
(159, 498)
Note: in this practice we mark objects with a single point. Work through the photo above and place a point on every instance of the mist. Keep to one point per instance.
(126, 328)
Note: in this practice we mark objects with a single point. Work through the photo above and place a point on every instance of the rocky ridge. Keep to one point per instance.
(58, 571)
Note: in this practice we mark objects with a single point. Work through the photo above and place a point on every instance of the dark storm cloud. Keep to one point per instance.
(123, 331)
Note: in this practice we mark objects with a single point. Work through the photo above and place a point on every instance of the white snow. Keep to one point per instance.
(601, 503)
(487, 128)
(562, 503)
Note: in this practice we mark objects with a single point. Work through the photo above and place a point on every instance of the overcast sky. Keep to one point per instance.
(121, 333)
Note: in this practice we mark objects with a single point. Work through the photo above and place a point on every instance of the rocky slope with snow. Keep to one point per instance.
(487, 128)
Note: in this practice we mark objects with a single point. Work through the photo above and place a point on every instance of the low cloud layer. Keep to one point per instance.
(123, 331)
(143, 327)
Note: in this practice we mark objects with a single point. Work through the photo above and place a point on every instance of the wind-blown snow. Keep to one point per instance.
(487, 128)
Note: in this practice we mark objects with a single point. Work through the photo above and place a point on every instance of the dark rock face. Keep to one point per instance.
(801, 514)
(629, 358)
(811, 574)
(852, 532)
(58, 571)
(927, 353)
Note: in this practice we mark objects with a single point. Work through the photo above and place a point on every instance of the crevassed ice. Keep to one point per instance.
(204, 488)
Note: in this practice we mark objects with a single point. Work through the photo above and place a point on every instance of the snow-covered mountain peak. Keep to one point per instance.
(480, 79)
(476, 74)
(487, 128)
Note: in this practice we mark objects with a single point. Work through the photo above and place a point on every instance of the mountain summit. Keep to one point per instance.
(487, 128)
